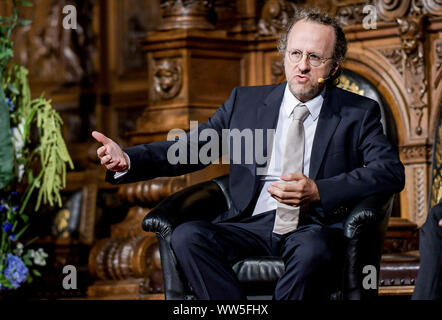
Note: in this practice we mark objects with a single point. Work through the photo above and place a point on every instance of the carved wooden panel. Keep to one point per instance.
(190, 14)
(52, 53)
(351, 12)
(275, 17)
(436, 169)
(134, 18)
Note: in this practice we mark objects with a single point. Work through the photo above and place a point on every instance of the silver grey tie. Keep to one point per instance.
(287, 217)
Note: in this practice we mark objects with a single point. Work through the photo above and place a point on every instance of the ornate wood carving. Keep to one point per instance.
(151, 191)
(123, 258)
(416, 153)
(275, 16)
(278, 74)
(136, 18)
(438, 63)
(128, 262)
(186, 14)
(436, 174)
(124, 266)
(411, 31)
(350, 14)
(346, 84)
(433, 6)
(87, 222)
(394, 56)
(168, 78)
(420, 203)
(401, 236)
(389, 10)
(53, 53)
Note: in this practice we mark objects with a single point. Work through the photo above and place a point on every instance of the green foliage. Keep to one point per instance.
(51, 149)
(7, 24)
(33, 157)
(6, 152)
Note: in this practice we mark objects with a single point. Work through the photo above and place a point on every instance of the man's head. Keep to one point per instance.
(313, 47)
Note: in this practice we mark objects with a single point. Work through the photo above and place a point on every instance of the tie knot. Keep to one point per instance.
(300, 112)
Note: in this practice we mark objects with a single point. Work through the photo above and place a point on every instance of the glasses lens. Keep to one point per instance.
(314, 60)
(295, 56)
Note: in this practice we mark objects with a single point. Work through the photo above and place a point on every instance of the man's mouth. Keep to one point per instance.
(301, 78)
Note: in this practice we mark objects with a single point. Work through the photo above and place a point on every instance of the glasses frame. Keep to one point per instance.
(308, 54)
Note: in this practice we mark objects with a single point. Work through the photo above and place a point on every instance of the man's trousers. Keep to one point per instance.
(206, 252)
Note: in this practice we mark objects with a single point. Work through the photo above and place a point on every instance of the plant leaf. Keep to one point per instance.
(6, 151)
(26, 3)
(13, 89)
(36, 273)
(24, 22)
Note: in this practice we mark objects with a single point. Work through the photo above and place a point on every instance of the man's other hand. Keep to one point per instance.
(440, 223)
(110, 154)
(301, 191)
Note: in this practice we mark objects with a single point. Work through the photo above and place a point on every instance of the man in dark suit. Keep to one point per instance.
(429, 278)
(328, 152)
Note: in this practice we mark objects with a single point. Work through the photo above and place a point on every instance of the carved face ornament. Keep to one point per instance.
(167, 77)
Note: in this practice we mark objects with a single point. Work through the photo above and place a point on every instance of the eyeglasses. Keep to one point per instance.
(314, 60)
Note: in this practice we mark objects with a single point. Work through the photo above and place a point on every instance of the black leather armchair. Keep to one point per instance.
(364, 228)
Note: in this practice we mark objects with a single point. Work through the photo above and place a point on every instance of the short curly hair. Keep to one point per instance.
(318, 16)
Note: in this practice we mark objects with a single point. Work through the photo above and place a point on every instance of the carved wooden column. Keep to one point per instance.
(127, 265)
(417, 29)
(191, 70)
(186, 14)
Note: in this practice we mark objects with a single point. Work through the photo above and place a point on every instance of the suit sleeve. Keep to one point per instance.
(382, 172)
(153, 160)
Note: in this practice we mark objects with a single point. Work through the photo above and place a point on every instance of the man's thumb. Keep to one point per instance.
(100, 137)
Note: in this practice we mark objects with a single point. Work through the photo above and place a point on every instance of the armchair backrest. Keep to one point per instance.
(223, 184)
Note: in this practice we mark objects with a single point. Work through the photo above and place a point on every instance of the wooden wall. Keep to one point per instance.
(138, 68)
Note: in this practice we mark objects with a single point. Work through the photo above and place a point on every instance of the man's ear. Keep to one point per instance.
(334, 69)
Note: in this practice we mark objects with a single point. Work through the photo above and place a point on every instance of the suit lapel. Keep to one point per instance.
(267, 113)
(267, 117)
(328, 121)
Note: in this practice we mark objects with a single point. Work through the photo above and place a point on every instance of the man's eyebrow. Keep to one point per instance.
(309, 52)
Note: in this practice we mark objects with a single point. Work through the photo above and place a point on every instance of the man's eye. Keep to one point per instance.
(314, 57)
(296, 54)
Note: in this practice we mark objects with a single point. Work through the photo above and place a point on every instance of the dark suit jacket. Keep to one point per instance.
(351, 157)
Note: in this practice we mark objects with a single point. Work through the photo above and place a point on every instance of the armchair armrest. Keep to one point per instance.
(371, 211)
(203, 201)
(365, 229)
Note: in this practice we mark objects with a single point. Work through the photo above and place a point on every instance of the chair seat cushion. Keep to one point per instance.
(258, 275)
(259, 269)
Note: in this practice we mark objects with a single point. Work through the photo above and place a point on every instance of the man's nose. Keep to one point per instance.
(304, 65)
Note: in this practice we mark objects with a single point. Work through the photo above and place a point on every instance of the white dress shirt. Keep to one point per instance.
(265, 202)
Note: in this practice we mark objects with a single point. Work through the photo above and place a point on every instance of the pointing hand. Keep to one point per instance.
(110, 154)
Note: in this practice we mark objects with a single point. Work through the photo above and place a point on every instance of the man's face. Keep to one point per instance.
(309, 37)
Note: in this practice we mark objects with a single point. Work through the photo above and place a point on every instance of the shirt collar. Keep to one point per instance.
(314, 105)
